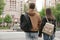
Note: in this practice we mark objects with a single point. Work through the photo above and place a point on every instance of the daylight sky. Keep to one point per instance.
(39, 4)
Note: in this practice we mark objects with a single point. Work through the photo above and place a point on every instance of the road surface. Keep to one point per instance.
(20, 36)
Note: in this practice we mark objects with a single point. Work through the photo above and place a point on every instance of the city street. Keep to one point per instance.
(11, 11)
(20, 36)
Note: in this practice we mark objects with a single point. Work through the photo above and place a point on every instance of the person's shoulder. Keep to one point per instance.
(38, 14)
(24, 14)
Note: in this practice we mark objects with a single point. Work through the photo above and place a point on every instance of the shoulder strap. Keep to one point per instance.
(28, 20)
(27, 17)
(47, 19)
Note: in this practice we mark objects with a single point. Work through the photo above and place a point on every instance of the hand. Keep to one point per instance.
(40, 35)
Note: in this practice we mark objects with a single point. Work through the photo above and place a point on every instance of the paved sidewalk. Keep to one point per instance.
(20, 36)
(6, 30)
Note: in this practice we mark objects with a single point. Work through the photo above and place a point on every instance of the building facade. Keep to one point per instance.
(53, 3)
(49, 3)
(32, 1)
(14, 8)
(57, 1)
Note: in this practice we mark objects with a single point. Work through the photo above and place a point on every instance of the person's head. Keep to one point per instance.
(31, 6)
(49, 13)
(15, 22)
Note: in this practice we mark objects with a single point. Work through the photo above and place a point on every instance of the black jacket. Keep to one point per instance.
(44, 20)
(25, 22)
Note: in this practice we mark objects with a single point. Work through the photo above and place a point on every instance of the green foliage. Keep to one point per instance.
(8, 19)
(1, 6)
(57, 17)
(25, 7)
(58, 7)
(4, 27)
(1, 20)
(56, 12)
(42, 13)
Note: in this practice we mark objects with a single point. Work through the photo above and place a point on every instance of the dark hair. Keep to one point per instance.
(49, 13)
(31, 5)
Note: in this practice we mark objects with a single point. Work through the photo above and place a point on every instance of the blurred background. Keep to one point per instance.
(11, 10)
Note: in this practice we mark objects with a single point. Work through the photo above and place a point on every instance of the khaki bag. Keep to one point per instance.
(48, 28)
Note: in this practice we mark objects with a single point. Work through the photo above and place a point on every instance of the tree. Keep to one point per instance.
(1, 20)
(56, 12)
(8, 19)
(42, 12)
(1, 6)
(26, 7)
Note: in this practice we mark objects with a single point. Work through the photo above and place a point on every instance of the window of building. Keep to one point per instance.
(13, 5)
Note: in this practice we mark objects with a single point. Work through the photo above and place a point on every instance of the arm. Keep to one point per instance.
(55, 24)
(42, 25)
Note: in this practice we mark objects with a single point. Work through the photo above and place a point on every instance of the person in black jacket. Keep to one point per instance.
(31, 27)
(50, 18)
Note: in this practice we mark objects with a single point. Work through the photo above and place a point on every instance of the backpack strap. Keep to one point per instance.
(47, 19)
(27, 17)
(28, 20)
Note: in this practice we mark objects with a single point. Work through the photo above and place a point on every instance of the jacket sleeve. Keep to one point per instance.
(42, 25)
(55, 24)
(39, 21)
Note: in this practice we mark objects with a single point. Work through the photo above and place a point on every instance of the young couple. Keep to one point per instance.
(37, 23)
